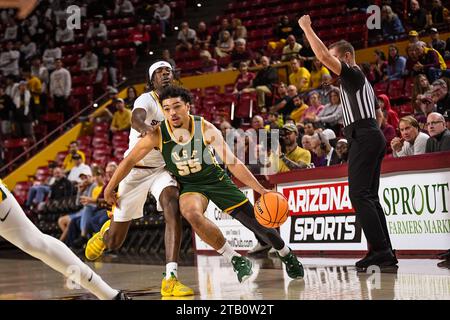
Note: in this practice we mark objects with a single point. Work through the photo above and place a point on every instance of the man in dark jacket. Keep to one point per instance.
(265, 78)
(439, 135)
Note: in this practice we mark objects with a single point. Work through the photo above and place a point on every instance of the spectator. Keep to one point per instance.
(369, 72)
(28, 48)
(240, 53)
(107, 62)
(396, 64)
(413, 37)
(385, 104)
(60, 190)
(317, 73)
(388, 131)
(323, 150)
(162, 14)
(244, 79)
(122, 117)
(225, 45)
(69, 162)
(315, 107)
(341, 151)
(299, 108)
(60, 87)
(264, 81)
(78, 169)
(38, 70)
(429, 62)
(35, 87)
(436, 43)
(283, 29)
(89, 62)
(390, 24)
(439, 135)
(285, 105)
(310, 128)
(273, 121)
(441, 96)
(64, 35)
(186, 38)
(131, 97)
(209, 64)
(9, 60)
(11, 30)
(40, 189)
(6, 110)
(306, 54)
(166, 57)
(203, 34)
(438, 14)
(140, 39)
(292, 49)
(300, 76)
(356, 5)
(124, 8)
(228, 132)
(421, 85)
(412, 141)
(331, 116)
(97, 30)
(23, 112)
(224, 26)
(51, 54)
(380, 65)
(417, 16)
(293, 157)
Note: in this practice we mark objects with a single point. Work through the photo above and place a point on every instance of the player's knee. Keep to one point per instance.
(193, 216)
(169, 200)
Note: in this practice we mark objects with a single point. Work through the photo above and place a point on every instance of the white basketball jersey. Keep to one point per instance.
(150, 103)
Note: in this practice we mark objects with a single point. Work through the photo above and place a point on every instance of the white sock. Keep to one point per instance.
(21, 232)
(228, 252)
(284, 251)
(171, 267)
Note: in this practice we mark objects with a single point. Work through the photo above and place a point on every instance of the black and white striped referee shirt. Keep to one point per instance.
(357, 96)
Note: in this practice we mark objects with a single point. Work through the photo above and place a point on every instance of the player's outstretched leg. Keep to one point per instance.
(170, 285)
(192, 206)
(16, 228)
(246, 216)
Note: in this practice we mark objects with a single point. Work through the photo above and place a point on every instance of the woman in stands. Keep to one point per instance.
(131, 97)
(421, 85)
(16, 228)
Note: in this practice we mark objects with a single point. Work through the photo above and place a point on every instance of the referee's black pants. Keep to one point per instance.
(367, 147)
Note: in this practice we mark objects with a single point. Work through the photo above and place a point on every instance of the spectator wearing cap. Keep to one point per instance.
(341, 151)
(9, 60)
(24, 111)
(69, 161)
(78, 169)
(97, 30)
(413, 36)
(396, 64)
(429, 62)
(107, 62)
(300, 76)
(436, 43)
(441, 96)
(417, 16)
(60, 88)
(391, 24)
(439, 135)
(331, 116)
(291, 50)
(323, 150)
(292, 156)
(6, 112)
(89, 62)
(123, 8)
(122, 117)
(412, 141)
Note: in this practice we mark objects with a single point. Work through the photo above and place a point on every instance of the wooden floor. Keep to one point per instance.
(212, 278)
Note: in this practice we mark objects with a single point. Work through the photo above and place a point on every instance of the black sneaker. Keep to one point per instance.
(385, 259)
(294, 268)
(361, 263)
(444, 264)
(445, 255)
(121, 296)
(243, 267)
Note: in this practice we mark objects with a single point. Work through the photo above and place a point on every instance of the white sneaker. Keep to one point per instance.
(258, 248)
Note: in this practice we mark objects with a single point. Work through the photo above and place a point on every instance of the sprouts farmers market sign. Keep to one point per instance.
(416, 207)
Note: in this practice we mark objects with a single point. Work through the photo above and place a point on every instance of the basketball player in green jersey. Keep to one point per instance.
(185, 143)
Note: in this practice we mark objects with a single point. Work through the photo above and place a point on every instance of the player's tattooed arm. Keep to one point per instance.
(138, 121)
(214, 137)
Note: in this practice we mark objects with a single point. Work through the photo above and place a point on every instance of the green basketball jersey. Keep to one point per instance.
(191, 162)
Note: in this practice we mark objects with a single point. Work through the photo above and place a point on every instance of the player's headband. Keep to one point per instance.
(157, 65)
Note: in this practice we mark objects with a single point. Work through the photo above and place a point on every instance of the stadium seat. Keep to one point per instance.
(99, 142)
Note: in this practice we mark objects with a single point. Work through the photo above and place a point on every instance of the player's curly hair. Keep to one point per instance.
(174, 91)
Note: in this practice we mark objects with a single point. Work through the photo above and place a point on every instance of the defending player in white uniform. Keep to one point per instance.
(16, 228)
(147, 175)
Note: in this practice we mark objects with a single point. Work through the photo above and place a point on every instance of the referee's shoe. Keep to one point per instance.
(384, 259)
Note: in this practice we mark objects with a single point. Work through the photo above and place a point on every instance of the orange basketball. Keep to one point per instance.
(271, 210)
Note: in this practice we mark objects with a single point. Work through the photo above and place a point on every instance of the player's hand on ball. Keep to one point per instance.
(304, 22)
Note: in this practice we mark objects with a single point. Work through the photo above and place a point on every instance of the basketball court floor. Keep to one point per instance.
(212, 278)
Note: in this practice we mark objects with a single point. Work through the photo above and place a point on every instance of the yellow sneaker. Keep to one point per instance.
(174, 288)
(95, 245)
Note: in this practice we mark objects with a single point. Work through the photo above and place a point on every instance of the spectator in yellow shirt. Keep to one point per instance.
(121, 118)
(34, 85)
(294, 157)
(300, 76)
(317, 73)
(69, 163)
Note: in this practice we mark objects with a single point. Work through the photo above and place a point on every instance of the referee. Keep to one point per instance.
(366, 145)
